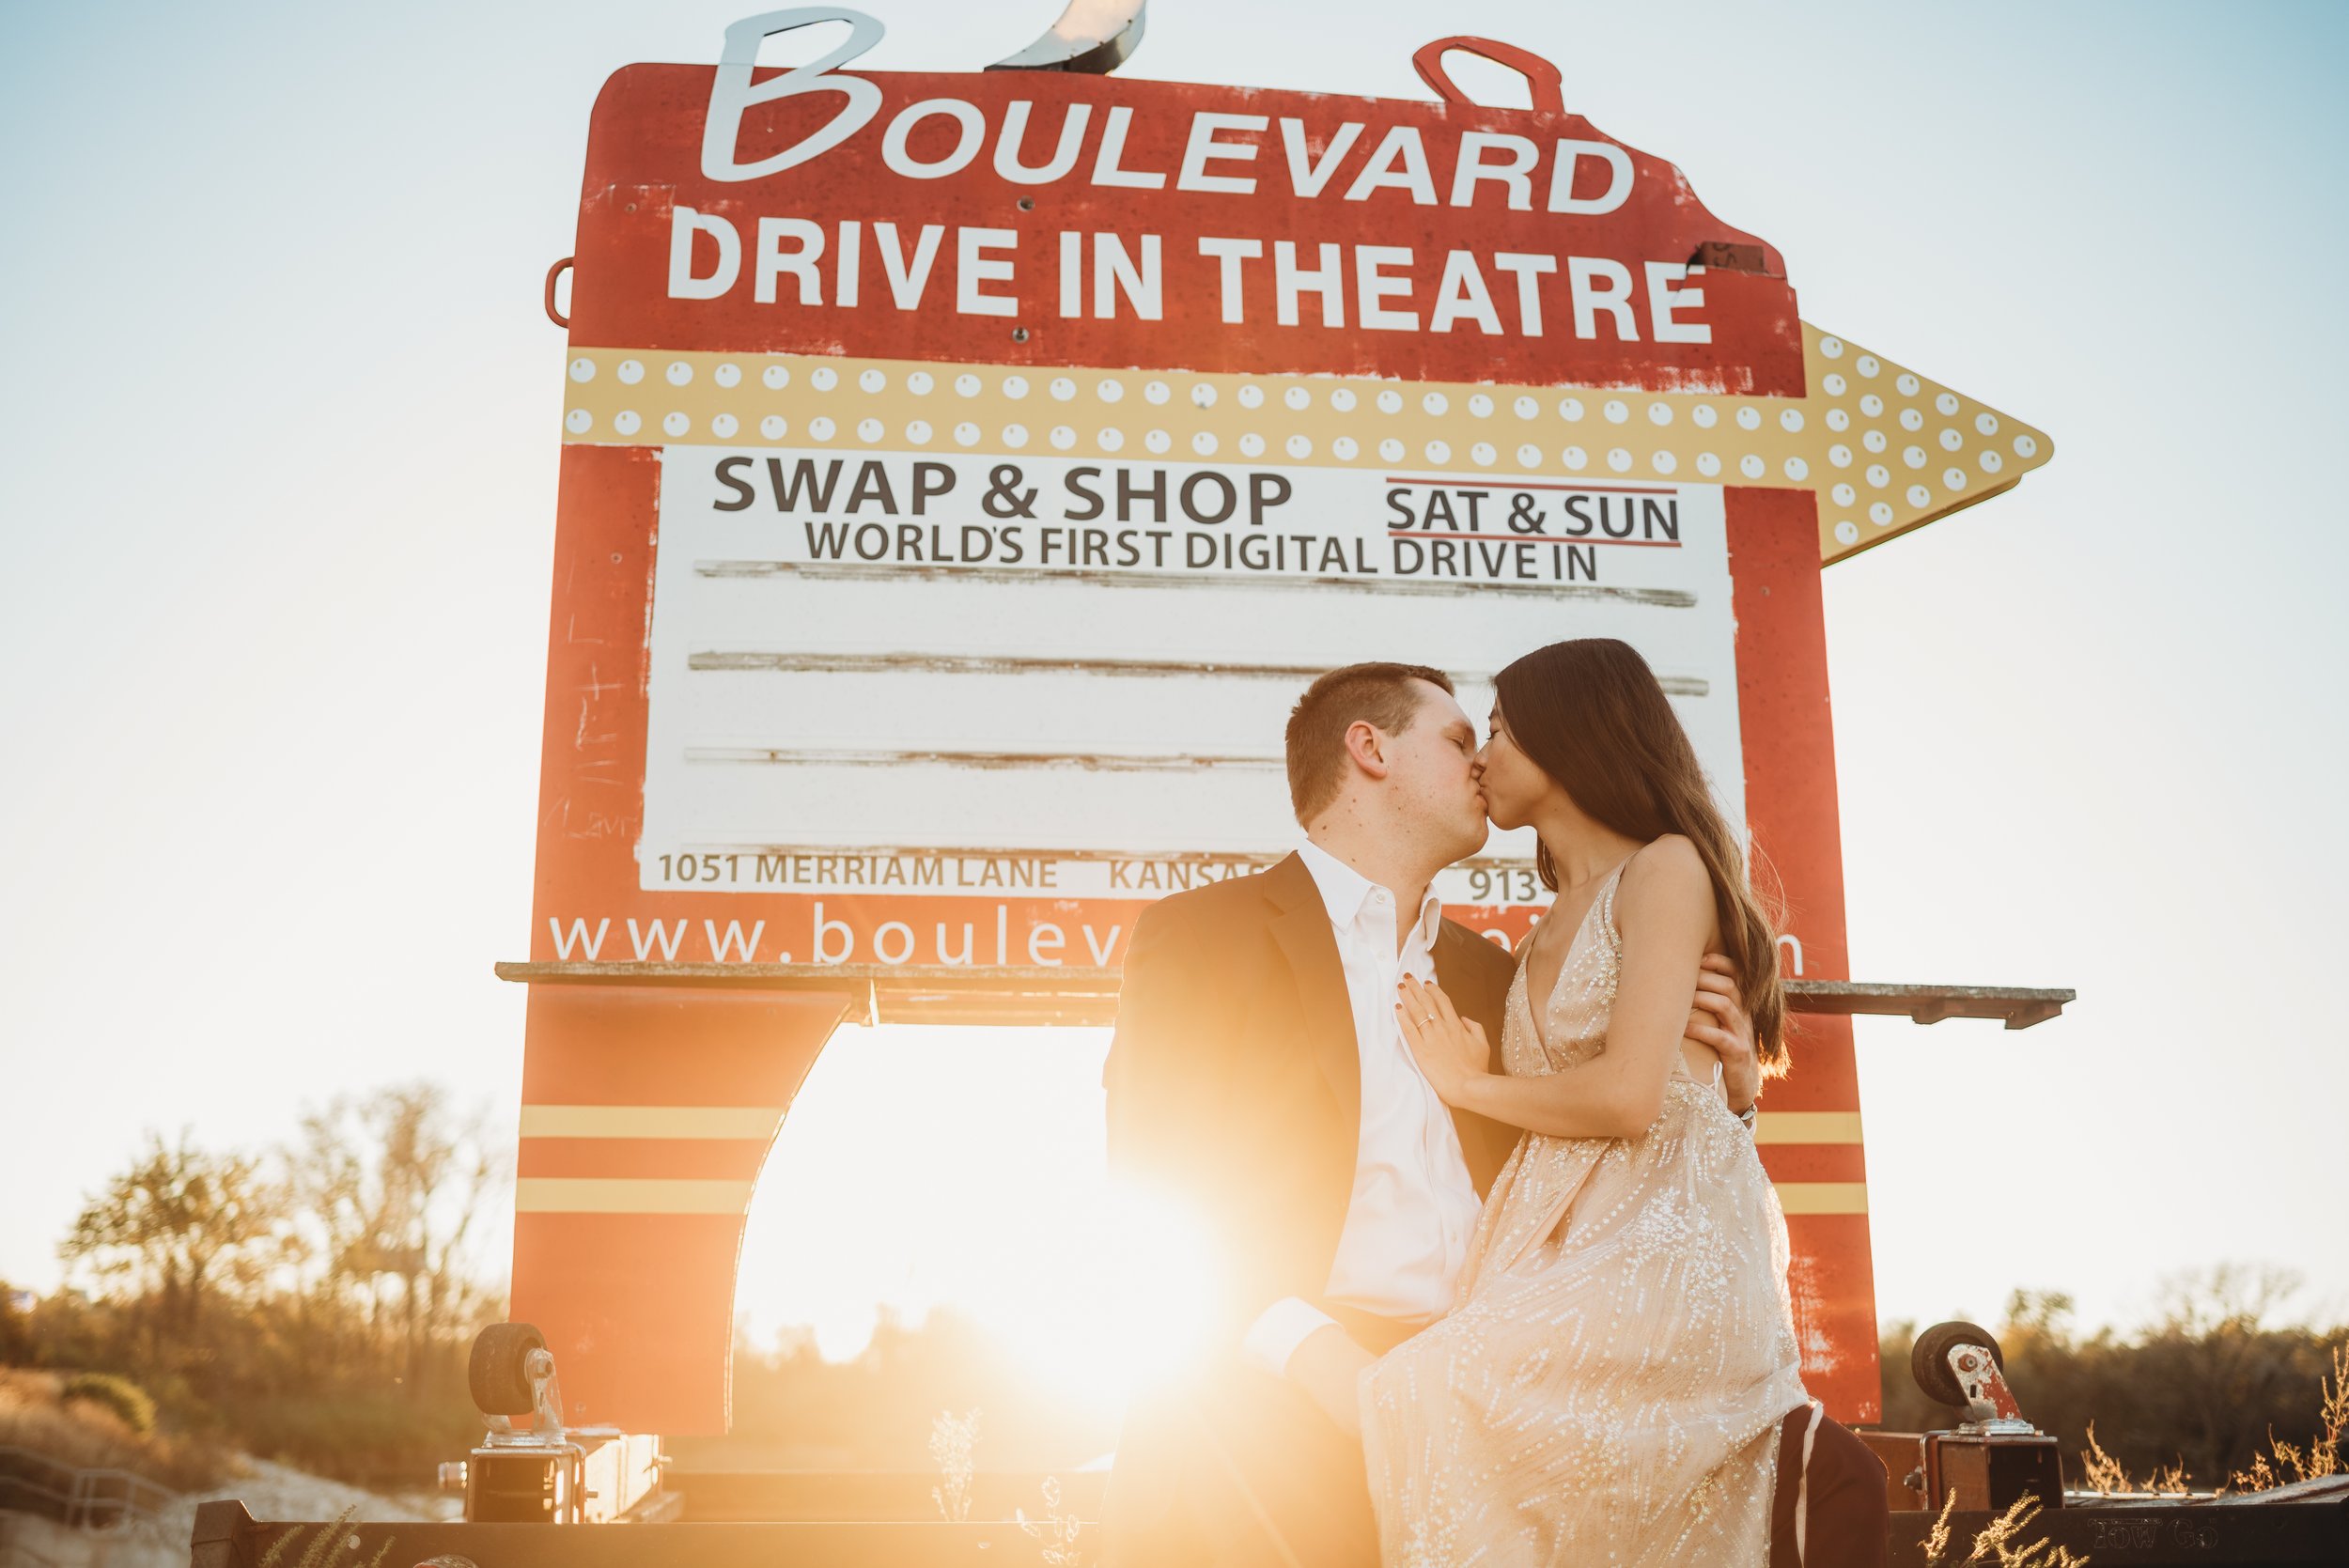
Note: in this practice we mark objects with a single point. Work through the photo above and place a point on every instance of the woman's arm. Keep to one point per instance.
(1664, 909)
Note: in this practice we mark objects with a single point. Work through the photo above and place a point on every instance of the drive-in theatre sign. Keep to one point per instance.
(961, 476)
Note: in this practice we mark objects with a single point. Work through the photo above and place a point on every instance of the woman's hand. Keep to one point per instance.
(1721, 1025)
(1450, 1049)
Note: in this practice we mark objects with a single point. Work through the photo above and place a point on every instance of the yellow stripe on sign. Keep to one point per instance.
(1823, 1197)
(1884, 449)
(1806, 1126)
(650, 1120)
(627, 1195)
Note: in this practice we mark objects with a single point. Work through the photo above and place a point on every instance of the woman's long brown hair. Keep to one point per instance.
(1591, 715)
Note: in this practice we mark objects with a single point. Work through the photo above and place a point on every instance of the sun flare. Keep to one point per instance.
(963, 1170)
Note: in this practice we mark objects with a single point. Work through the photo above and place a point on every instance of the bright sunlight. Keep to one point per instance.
(963, 1169)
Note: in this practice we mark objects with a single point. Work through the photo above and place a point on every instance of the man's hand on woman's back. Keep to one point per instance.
(1719, 1023)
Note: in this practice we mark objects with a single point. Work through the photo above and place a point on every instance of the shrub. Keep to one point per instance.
(125, 1399)
(364, 1437)
(84, 1435)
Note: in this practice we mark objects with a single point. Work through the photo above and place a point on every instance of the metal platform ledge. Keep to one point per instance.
(227, 1536)
(2018, 1006)
(1070, 994)
(2259, 1533)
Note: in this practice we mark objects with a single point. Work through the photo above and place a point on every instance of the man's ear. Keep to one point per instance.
(1367, 746)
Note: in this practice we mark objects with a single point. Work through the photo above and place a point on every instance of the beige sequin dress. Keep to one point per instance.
(1609, 1388)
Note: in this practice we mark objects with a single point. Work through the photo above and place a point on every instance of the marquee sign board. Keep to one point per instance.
(963, 473)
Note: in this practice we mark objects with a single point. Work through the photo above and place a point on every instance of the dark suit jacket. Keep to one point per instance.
(1234, 1080)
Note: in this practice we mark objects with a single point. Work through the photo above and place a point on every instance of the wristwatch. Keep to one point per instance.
(1751, 1114)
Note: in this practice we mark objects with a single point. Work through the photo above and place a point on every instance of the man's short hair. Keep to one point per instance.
(1378, 694)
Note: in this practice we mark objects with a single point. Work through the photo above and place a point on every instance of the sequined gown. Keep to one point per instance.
(1609, 1388)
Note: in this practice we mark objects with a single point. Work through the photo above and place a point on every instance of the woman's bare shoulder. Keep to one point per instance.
(1667, 879)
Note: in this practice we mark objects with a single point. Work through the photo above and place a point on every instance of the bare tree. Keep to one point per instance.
(392, 1190)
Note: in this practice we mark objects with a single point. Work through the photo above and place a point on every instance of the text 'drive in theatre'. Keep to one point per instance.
(848, 650)
(914, 215)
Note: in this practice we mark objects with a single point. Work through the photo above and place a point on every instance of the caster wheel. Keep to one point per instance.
(495, 1374)
(1929, 1359)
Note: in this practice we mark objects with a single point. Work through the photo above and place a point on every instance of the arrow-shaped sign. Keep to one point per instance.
(1885, 450)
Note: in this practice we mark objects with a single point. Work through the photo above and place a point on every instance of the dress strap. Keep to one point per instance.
(1681, 1072)
(1607, 894)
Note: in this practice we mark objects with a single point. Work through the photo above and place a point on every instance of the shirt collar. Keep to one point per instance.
(1345, 891)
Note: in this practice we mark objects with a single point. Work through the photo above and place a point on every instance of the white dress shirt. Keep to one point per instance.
(1414, 1203)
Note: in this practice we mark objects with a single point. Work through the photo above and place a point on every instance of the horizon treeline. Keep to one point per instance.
(315, 1303)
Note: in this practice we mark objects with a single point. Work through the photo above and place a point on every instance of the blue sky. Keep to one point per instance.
(278, 492)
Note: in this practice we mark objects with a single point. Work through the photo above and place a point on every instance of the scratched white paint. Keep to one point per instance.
(1808, 1307)
(761, 754)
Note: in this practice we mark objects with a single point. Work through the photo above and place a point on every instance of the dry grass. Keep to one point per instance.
(2327, 1454)
(1998, 1545)
(322, 1544)
(1057, 1532)
(952, 1439)
(1938, 1539)
(2103, 1473)
(88, 1436)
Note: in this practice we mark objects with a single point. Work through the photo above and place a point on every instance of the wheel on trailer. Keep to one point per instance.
(498, 1373)
(1929, 1358)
